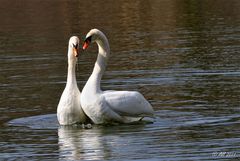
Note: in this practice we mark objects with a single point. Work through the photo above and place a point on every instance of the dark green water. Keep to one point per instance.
(182, 55)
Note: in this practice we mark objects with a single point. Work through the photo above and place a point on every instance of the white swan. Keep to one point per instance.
(69, 109)
(109, 106)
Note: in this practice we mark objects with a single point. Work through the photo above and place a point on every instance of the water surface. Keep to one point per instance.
(182, 55)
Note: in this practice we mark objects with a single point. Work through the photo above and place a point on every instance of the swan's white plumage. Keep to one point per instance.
(110, 106)
(126, 103)
(69, 110)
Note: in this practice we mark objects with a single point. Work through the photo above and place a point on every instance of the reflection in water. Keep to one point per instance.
(173, 134)
(76, 143)
(99, 143)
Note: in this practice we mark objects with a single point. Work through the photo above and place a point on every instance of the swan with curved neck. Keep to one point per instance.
(104, 107)
(69, 110)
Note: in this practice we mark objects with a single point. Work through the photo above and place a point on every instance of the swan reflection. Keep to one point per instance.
(76, 143)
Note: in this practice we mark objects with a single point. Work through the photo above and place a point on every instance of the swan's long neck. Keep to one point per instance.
(101, 63)
(71, 75)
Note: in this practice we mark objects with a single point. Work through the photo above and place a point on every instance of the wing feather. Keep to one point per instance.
(128, 103)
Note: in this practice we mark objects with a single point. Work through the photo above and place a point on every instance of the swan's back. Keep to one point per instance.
(128, 103)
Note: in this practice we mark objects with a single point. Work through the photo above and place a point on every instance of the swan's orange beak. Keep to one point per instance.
(86, 44)
(75, 52)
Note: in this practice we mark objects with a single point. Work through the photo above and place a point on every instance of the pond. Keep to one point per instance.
(182, 55)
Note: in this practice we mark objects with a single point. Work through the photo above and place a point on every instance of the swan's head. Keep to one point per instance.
(74, 46)
(92, 36)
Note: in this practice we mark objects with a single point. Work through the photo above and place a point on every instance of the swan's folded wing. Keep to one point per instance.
(128, 103)
(101, 107)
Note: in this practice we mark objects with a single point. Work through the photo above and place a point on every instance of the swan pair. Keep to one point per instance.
(101, 107)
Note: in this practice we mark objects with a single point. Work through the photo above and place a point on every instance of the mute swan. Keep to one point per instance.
(104, 107)
(69, 109)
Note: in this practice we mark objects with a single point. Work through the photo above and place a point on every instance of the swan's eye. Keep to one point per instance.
(88, 39)
(87, 42)
(75, 46)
